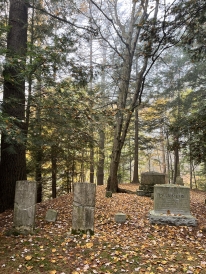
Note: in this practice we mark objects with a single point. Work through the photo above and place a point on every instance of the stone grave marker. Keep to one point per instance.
(148, 180)
(83, 208)
(172, 206)
(25, 206)
(51, 215)
(120, 217)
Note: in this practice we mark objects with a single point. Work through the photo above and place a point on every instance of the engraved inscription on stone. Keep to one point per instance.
(172, 199)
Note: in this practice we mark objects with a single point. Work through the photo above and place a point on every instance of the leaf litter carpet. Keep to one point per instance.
(133, 247)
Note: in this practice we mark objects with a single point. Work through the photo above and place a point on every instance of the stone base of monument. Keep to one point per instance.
(172, 206)
(172, 219)
(143, 193)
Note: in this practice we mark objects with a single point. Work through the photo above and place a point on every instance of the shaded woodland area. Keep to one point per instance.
(101, 91)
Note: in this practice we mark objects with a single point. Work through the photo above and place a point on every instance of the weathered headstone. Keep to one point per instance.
(148, 180)
(25, 206)
(83, 208)
(120, 218)
(172, 206)
(51, 215)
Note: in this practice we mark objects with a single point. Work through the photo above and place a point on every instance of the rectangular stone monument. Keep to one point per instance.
(83, 208)
(25, 205)
(148, 180)
(172, 205)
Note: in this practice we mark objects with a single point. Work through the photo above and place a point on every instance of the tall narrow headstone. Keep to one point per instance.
(25, 205)
(172, 205)
(83, 208)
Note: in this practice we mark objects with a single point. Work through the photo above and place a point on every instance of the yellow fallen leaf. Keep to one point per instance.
(190, 258)
(160, 268)
(89, 245)
(29, 267)
(53, 261)
(54, 250)
(28, 258)
(52, 272)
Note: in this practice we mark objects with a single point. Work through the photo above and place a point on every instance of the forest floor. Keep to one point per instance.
(133, 247)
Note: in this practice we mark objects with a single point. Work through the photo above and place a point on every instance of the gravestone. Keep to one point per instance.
(25, 206)
(83, 208)
(172, 206)
(120, 218)
(51, 215)
(148, 180)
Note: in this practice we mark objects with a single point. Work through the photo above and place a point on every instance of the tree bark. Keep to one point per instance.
(176, 161)
(54, 170)
(13, 155)
(100, 168)
(136, 149)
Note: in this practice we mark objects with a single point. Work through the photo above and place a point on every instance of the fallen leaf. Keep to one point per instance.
(28, 258)
(89, 245)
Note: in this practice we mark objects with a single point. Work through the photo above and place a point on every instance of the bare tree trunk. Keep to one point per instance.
(13, 153)
(100, 169)
(91, 174)
(54, 170)
(136, 152)
(38, 174)
(176, 162)
(125, 107)
(163, 151)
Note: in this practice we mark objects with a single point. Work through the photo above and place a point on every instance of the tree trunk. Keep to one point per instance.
(136, 149)
(91, 174)
(54, 170)
(13, 156)
(176, 162)
(163, 151)
(100, 170)
(38, 175)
